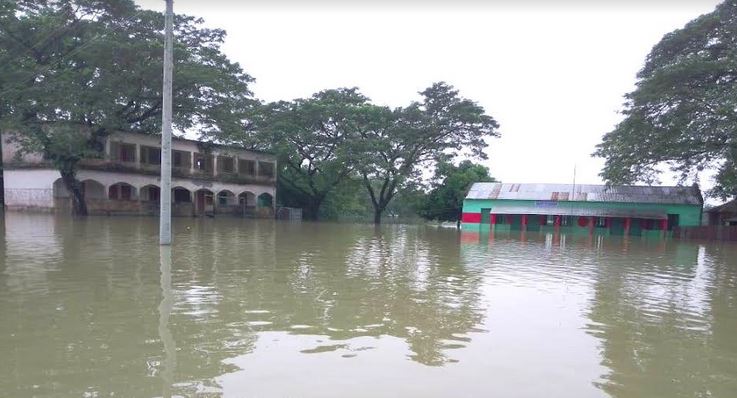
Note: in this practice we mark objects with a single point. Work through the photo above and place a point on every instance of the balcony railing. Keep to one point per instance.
(155, 169)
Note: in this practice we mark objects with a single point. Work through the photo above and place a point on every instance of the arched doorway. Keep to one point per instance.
(226, 198)
(150, 193)
(93, 190)
(247, 204)
(226, 203)
(181, 195)
(121, 191)
(247, 199)
(181, 199)
(265, 200)
(204, 202)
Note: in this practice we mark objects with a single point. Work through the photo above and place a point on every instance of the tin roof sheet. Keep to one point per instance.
(690, 195)
(730, 206)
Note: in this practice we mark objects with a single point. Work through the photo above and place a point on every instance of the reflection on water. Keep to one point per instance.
(252, 308)
(165, 308)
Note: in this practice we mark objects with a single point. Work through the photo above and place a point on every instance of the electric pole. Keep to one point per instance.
(166, 110)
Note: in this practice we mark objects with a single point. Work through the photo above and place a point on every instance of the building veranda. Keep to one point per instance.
(601, 209)
(207, 179)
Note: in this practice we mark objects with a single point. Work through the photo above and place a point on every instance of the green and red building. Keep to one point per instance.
(614, 210)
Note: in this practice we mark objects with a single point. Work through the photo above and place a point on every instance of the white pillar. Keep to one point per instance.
(166, 116)
(137, 155)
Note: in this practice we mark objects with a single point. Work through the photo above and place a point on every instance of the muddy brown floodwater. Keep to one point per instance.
(242, 308)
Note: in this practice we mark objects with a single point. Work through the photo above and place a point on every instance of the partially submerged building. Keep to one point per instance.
(616, 210)
(724, 214)
(207, 179)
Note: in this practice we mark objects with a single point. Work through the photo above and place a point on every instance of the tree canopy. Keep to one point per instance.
(74, 71)
(337, 136)
(315, 143)
(683, 113)
(450, 186)
(401, 143)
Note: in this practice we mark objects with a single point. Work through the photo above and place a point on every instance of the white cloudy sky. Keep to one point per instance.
(552, 73)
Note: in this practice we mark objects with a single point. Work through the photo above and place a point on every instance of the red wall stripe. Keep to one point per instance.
(474, 218)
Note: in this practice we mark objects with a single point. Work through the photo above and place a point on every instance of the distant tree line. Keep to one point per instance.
(74, 71)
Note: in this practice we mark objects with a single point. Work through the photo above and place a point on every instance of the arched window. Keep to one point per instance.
(265, 200)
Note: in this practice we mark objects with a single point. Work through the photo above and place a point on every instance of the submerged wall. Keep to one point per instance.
(30, 189)
(477, 213)
(41, 190)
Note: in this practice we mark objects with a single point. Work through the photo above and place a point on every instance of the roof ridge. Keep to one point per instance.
(585, 184)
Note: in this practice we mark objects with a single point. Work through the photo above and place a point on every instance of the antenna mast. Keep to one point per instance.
(573, 190)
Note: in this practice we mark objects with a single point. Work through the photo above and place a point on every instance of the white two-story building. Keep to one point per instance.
(207, 179)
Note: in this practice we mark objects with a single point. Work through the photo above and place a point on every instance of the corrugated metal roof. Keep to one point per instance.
(724, 207)
(690, 195)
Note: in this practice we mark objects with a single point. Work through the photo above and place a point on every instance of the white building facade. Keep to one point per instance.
(207, 179)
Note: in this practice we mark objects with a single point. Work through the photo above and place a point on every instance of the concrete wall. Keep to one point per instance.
(689, 215)
(139, 181)
(29, 189)
(110, 163)
(34, 189)
(32, 184)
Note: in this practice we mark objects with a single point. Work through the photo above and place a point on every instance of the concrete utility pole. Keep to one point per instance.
(165, 193)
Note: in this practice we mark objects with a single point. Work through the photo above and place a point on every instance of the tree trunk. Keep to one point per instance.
(74, 187)
(312, 210)
(379, 209)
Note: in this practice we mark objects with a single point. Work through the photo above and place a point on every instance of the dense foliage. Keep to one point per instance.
(314, 141)
(338, 136)
(450, 186)
(73, 71)
(683, 113)
(399, 146)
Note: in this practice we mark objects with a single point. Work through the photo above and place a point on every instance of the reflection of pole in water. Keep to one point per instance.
(165, 308)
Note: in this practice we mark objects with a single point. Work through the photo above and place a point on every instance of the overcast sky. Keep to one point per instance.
(552, 73)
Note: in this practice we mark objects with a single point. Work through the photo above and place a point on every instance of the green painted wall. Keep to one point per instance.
(689, 215)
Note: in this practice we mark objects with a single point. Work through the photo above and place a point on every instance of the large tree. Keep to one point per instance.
(73, 71)
(450, 186)
(399, 144)
(683, 113)
(314, 139)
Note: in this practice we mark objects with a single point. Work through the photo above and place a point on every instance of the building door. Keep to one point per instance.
(673, 220)
(616, 226)
(636, 227)
(515, 221)
(200, 202)
(203, 202)
(485, 219)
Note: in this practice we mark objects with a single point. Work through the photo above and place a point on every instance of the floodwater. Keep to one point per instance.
(244, 308)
